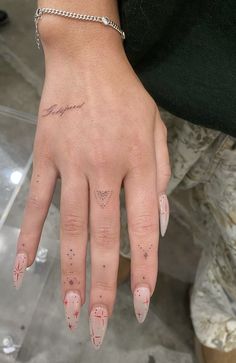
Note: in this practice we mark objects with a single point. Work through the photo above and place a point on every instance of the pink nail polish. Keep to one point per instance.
(164, 213)
(141, 302)
(19, 269)
(98, 325)
(72, 303)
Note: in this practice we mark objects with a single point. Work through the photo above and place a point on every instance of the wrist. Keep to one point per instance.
(77, 38)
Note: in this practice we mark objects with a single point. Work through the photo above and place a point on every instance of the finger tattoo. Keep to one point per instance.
(145, 251)
(70, 254)
(71, 280)
(103, 197)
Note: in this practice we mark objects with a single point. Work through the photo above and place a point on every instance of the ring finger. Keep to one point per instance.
(142, 214)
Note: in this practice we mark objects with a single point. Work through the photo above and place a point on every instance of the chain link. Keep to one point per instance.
(101, 19)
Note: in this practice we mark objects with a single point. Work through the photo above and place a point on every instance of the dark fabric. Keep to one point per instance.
(3, 17)
(184, 52)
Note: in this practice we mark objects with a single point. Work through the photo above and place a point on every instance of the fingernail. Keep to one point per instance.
(98, 325)
(164, 213)
(141, 302)
(72, 303)
(19, 269)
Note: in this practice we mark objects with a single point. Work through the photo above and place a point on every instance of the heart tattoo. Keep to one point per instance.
(103, 197)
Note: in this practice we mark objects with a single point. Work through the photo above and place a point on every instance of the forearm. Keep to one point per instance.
(78, 36)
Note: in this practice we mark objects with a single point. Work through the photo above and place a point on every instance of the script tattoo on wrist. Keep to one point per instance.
(56, 110)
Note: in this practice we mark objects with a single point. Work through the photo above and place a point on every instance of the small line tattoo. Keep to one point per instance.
(56, 110)
(103, 197)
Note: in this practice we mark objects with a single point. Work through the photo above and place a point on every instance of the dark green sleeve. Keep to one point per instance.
(184, 52)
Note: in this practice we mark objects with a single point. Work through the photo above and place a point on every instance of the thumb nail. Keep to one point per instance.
(164, 213)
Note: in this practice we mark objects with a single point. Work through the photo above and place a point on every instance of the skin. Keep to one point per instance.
(116, 137)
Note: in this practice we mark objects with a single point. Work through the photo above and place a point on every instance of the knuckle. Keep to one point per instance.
(162, 130)
(143, 224)
(166, 172)
(138, 145)
(104, 286)
(42, 155)
(147, 269)
(105, 237)
(73, 224)
(36, 202)
(98, 156)
(139, 152)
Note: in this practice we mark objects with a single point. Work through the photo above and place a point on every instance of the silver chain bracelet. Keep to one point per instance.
(101, 19)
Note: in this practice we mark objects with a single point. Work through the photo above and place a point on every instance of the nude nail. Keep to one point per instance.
(98, 324)
(141, 302)
(19, 269)
(164, 213)
(72, 303)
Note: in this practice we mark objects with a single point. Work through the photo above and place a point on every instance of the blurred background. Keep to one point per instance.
(32, 326)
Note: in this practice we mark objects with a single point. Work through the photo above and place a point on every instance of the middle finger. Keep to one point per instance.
(73, 235)
(104, 241)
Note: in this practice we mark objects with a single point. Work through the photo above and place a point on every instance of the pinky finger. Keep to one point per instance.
(37, 204)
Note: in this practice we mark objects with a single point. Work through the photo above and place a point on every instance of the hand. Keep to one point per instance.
(97, 127)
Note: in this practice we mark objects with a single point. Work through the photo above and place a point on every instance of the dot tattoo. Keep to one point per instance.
(71, 279)
(56, 110)
(70, 254)
(145, 250)
(103, 197)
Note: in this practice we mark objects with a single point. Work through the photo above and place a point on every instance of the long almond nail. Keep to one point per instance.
(164, 213)
(19, 269)
(72, 303)
(141, 302)
(98, 325)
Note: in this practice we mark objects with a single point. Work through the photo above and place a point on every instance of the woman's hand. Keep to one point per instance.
(97, 128)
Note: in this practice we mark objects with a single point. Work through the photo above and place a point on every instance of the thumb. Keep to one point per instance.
(163, 171)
